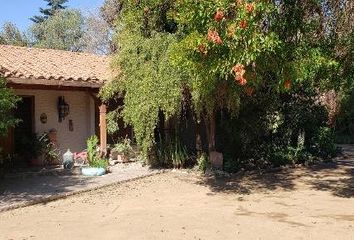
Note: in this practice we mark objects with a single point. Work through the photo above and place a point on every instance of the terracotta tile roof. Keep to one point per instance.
(45, 65)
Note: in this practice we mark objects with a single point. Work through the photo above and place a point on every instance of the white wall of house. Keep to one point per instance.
(82, 113)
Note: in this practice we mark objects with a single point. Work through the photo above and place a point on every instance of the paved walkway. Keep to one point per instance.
(20, 191)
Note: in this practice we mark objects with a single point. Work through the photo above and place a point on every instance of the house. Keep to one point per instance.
(59, 94)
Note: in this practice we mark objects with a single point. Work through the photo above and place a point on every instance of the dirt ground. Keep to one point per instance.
(307, 203)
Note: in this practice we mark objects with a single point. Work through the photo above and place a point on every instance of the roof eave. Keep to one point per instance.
(55, 83)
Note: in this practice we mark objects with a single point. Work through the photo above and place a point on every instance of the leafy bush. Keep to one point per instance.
(124, 147)
(344, 125)
(93, 155)
(203, 163)
(50, 152)
(171, 154)
(8, 102)
(276, 129)
(323, 144)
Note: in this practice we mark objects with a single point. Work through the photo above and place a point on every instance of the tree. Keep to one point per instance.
(8, 102)
(54, 6)
(110, 11)
(222, 44)
(64, 30)
(97, 35)
(150, 83)
(11, 35)
(226, 54)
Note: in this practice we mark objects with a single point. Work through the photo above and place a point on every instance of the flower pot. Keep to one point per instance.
(92, 172)
(122, 158)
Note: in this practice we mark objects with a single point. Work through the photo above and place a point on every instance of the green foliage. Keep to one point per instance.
(8, 101)
(92, 152)
(54, 7)
(323, 144)
(345, 119)
(35, 146)
(48, 149)
(11, 35)
(110, 11)
(124, 147)
(64, 30)
(171, 154)
(93, 155)
(275, 129)
(99, 163)
(203, 163)
(149, 81)
(261, 64)
(210, 63)
(112, 122)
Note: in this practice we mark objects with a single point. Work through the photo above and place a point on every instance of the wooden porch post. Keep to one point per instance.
(103, 129)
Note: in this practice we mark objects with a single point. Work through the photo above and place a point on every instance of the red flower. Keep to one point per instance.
(213, 36)
(242, 81)
(243, 24)
(287, 84)
(250, 7)
(238, 2)
(239, 70)
(219, 16)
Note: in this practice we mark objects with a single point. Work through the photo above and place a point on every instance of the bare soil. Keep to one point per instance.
(305, 203)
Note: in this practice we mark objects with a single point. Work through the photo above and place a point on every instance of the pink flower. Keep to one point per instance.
(213, 36)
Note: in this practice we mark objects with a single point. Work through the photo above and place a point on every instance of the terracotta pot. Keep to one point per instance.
(122, 158)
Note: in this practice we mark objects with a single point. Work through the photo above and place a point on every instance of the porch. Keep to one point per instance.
(58, 91)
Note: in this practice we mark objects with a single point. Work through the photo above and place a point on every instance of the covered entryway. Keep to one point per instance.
(59, 97)
(23, 133)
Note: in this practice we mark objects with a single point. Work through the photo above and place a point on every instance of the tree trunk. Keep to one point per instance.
(198, 139)
(216, 158)
(211, 131)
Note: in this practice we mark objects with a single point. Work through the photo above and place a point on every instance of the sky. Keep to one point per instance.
(19, 11)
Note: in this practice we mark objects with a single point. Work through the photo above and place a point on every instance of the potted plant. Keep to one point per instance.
(97, 165)
(31, 149)
(122, 151)
(49, 151)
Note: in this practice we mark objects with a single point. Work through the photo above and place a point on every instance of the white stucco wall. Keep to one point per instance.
(82, 113)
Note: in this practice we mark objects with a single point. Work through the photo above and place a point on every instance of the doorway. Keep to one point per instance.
(23, 133)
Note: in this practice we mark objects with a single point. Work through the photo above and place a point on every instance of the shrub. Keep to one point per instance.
(93, 155)
(124, 147)
(8, 101)
(203, 163)
(323, 144)
(51, 154)
(276, 129)
(171, 154)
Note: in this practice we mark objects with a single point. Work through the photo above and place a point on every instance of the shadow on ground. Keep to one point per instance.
(18, 190)
(340, 183)
(336, 178)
